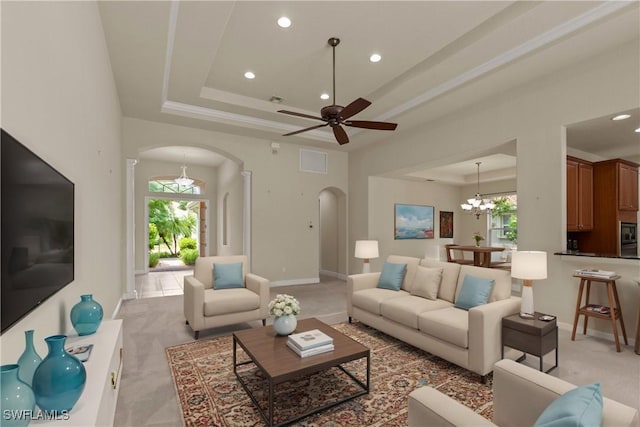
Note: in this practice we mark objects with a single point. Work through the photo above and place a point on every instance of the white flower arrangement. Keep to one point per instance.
(284, 304)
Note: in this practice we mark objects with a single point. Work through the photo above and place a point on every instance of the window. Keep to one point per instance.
(503, 227)
(170, 186)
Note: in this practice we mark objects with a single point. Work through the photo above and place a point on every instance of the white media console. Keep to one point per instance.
(97, 405)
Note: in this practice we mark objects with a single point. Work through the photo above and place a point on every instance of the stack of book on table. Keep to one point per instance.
(594, 272)
(310, 343)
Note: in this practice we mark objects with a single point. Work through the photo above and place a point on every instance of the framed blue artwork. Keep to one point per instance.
(413, 222)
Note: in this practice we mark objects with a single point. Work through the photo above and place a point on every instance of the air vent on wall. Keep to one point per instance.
(313, 161)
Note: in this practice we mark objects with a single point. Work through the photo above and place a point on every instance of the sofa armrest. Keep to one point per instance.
(193, 302)
(260, 286)
(521, 394)
(485, 333)
(429, 407)
(358, 282)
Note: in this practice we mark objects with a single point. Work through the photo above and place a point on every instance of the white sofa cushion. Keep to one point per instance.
(225, 301)
(450, 272)
(370, 299)
(412, 264)
(427, 282)
(405, 310)
(448, 324)
(502, 280)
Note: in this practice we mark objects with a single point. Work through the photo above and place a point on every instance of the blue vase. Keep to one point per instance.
(17, 402)
(59, 380)
(86, 315)
(29, 360)
(285, 325)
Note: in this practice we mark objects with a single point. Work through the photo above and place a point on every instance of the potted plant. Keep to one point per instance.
(478, 238)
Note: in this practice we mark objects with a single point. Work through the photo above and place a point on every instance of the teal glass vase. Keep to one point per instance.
(86, 315)
(17, 401)
(60, 379)
(29, 360)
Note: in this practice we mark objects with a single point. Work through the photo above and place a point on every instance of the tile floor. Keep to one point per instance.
(161, 283)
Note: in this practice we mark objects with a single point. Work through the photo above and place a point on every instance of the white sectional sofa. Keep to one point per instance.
(520, 395)
(469, 338)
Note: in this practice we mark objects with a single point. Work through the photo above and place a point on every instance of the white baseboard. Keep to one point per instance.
(335, 274)
(130, 295)
(139, 272)
(291, 282)
(117, 309)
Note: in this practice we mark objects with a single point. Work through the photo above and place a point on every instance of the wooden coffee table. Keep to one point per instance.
(278, 363)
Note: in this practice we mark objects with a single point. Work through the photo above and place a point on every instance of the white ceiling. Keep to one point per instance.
(182, 62)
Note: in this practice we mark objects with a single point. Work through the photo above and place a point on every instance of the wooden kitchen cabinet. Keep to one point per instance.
(627, 187)
(579, 194)
(615, 187)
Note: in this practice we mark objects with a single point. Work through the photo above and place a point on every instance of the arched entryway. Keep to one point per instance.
(332, 203)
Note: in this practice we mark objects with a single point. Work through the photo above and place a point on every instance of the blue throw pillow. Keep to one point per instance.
(581, 406)
(392, 276)
(227, 276)
(475, 291)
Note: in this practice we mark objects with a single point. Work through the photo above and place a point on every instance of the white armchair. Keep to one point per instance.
(520, 395)
(206, 307)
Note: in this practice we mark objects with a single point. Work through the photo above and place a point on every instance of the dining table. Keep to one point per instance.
(481, 254)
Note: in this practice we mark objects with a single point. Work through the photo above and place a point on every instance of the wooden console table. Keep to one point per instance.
(481, 254)
(615, 312)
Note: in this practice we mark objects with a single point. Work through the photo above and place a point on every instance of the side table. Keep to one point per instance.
(615, 312)
(532, 336)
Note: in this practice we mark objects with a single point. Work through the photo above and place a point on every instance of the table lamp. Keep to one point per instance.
(528, 266)
(366, 249)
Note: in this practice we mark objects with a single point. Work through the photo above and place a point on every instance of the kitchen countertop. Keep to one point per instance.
(595, 255)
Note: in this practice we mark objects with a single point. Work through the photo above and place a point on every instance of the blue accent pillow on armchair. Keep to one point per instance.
(475, 291)
(581, 406)
(227, 276)
(392, 276)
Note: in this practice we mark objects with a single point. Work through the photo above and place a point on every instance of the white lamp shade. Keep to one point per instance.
(529, 265)
(366, 249)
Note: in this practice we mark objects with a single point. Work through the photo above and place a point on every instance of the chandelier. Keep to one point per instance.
(183, 179)
(478, 206)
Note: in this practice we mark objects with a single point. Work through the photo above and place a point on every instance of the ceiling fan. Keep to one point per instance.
(337, 115)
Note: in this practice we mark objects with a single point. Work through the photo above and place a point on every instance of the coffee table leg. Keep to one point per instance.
(270, 402)
(234, 356)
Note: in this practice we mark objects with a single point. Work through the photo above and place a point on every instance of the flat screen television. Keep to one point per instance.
(37, 230)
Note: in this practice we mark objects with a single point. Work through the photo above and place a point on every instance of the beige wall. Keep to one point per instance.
(284, 201)
(384, 193)
(534, 115)
(59, 99)
(145, 170)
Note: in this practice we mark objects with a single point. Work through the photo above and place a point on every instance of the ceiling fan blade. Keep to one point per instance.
(306, 116)
(306, 129)
(354, 108)
(340, 134)
(366, 124)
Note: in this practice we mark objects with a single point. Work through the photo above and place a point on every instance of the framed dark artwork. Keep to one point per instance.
(446, 224)
(413, 222)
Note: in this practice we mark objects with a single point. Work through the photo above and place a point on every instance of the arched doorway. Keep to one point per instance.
(332, 204)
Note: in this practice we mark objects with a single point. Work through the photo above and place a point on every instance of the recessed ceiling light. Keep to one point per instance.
(324, 96)
(637, 130)
(249, 75)
(284, 22)
(375, 58)
(621, 117)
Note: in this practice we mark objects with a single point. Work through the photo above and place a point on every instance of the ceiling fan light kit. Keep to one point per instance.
(336, 115)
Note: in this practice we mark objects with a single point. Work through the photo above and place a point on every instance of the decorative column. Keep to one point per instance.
(246, 216)
(130, 230)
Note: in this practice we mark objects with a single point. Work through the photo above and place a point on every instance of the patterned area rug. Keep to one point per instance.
(210, 394)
